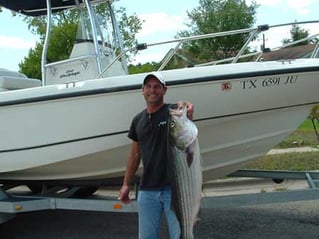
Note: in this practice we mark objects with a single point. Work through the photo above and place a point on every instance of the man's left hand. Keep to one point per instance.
(189, 107)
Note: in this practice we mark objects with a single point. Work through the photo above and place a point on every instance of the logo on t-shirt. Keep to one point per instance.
(162, 123)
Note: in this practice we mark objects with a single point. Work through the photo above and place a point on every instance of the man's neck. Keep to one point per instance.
(153, 108)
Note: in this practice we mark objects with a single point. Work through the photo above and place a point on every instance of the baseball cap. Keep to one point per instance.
(157, 75)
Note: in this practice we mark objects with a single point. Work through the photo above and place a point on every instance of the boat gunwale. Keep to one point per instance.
(100, 89)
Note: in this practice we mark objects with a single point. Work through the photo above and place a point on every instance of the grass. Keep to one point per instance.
(303, 136)
(288, 161)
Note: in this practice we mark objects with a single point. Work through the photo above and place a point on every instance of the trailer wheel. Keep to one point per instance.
(85, 191)
(278, 180)
(35, 188)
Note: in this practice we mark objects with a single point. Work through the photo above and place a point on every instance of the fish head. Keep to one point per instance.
(182, 130)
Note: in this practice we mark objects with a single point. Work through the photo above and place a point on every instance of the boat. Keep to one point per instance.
(72, 126)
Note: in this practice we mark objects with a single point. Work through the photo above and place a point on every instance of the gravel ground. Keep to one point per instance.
(280, 221)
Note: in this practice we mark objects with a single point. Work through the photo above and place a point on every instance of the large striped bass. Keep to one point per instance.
(185, 170)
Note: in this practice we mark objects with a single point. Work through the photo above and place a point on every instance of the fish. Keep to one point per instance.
(184, 169)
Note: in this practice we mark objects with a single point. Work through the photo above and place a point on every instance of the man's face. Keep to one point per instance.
(154, 91)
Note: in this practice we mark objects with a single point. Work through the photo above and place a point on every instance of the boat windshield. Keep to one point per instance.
(103, 28)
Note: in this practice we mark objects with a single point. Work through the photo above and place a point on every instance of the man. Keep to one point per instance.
(148, 132)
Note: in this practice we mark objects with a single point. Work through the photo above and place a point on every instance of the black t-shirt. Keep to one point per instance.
(150, 130)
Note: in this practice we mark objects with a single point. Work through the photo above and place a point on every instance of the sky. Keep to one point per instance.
(163, 19)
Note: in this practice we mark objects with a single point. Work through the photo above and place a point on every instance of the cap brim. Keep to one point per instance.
(156, 75)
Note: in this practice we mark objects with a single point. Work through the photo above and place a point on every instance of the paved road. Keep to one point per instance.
(280, 221)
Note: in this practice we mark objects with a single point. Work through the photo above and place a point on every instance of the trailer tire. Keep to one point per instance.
(86, 191)
(35, 189)
(278, 180)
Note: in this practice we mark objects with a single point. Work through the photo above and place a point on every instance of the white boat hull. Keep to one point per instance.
(79, 131)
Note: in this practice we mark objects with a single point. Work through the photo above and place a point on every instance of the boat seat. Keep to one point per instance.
(17, 82)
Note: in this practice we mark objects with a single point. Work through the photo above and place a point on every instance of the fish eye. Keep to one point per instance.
(172, 124)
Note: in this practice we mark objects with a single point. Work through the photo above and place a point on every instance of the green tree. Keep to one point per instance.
(297, 33)
(218, 16)
(61, 43)
(140, 68)
(32, 64)
(63, 35)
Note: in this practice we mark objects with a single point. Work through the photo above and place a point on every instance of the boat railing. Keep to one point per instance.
(315, 53)
(179, 42)
(260, 53)
(253, 33)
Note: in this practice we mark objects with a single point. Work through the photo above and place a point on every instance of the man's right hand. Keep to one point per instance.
(124, 196)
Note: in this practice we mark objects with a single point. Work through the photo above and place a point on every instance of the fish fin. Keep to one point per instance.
(174, 203)
(197, 219)
(197, 211)
(189, 158)
(190, 152)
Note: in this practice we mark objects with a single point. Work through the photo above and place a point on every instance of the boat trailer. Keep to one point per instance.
(13, 203)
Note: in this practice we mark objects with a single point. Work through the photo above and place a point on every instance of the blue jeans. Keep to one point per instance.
(151, 205)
